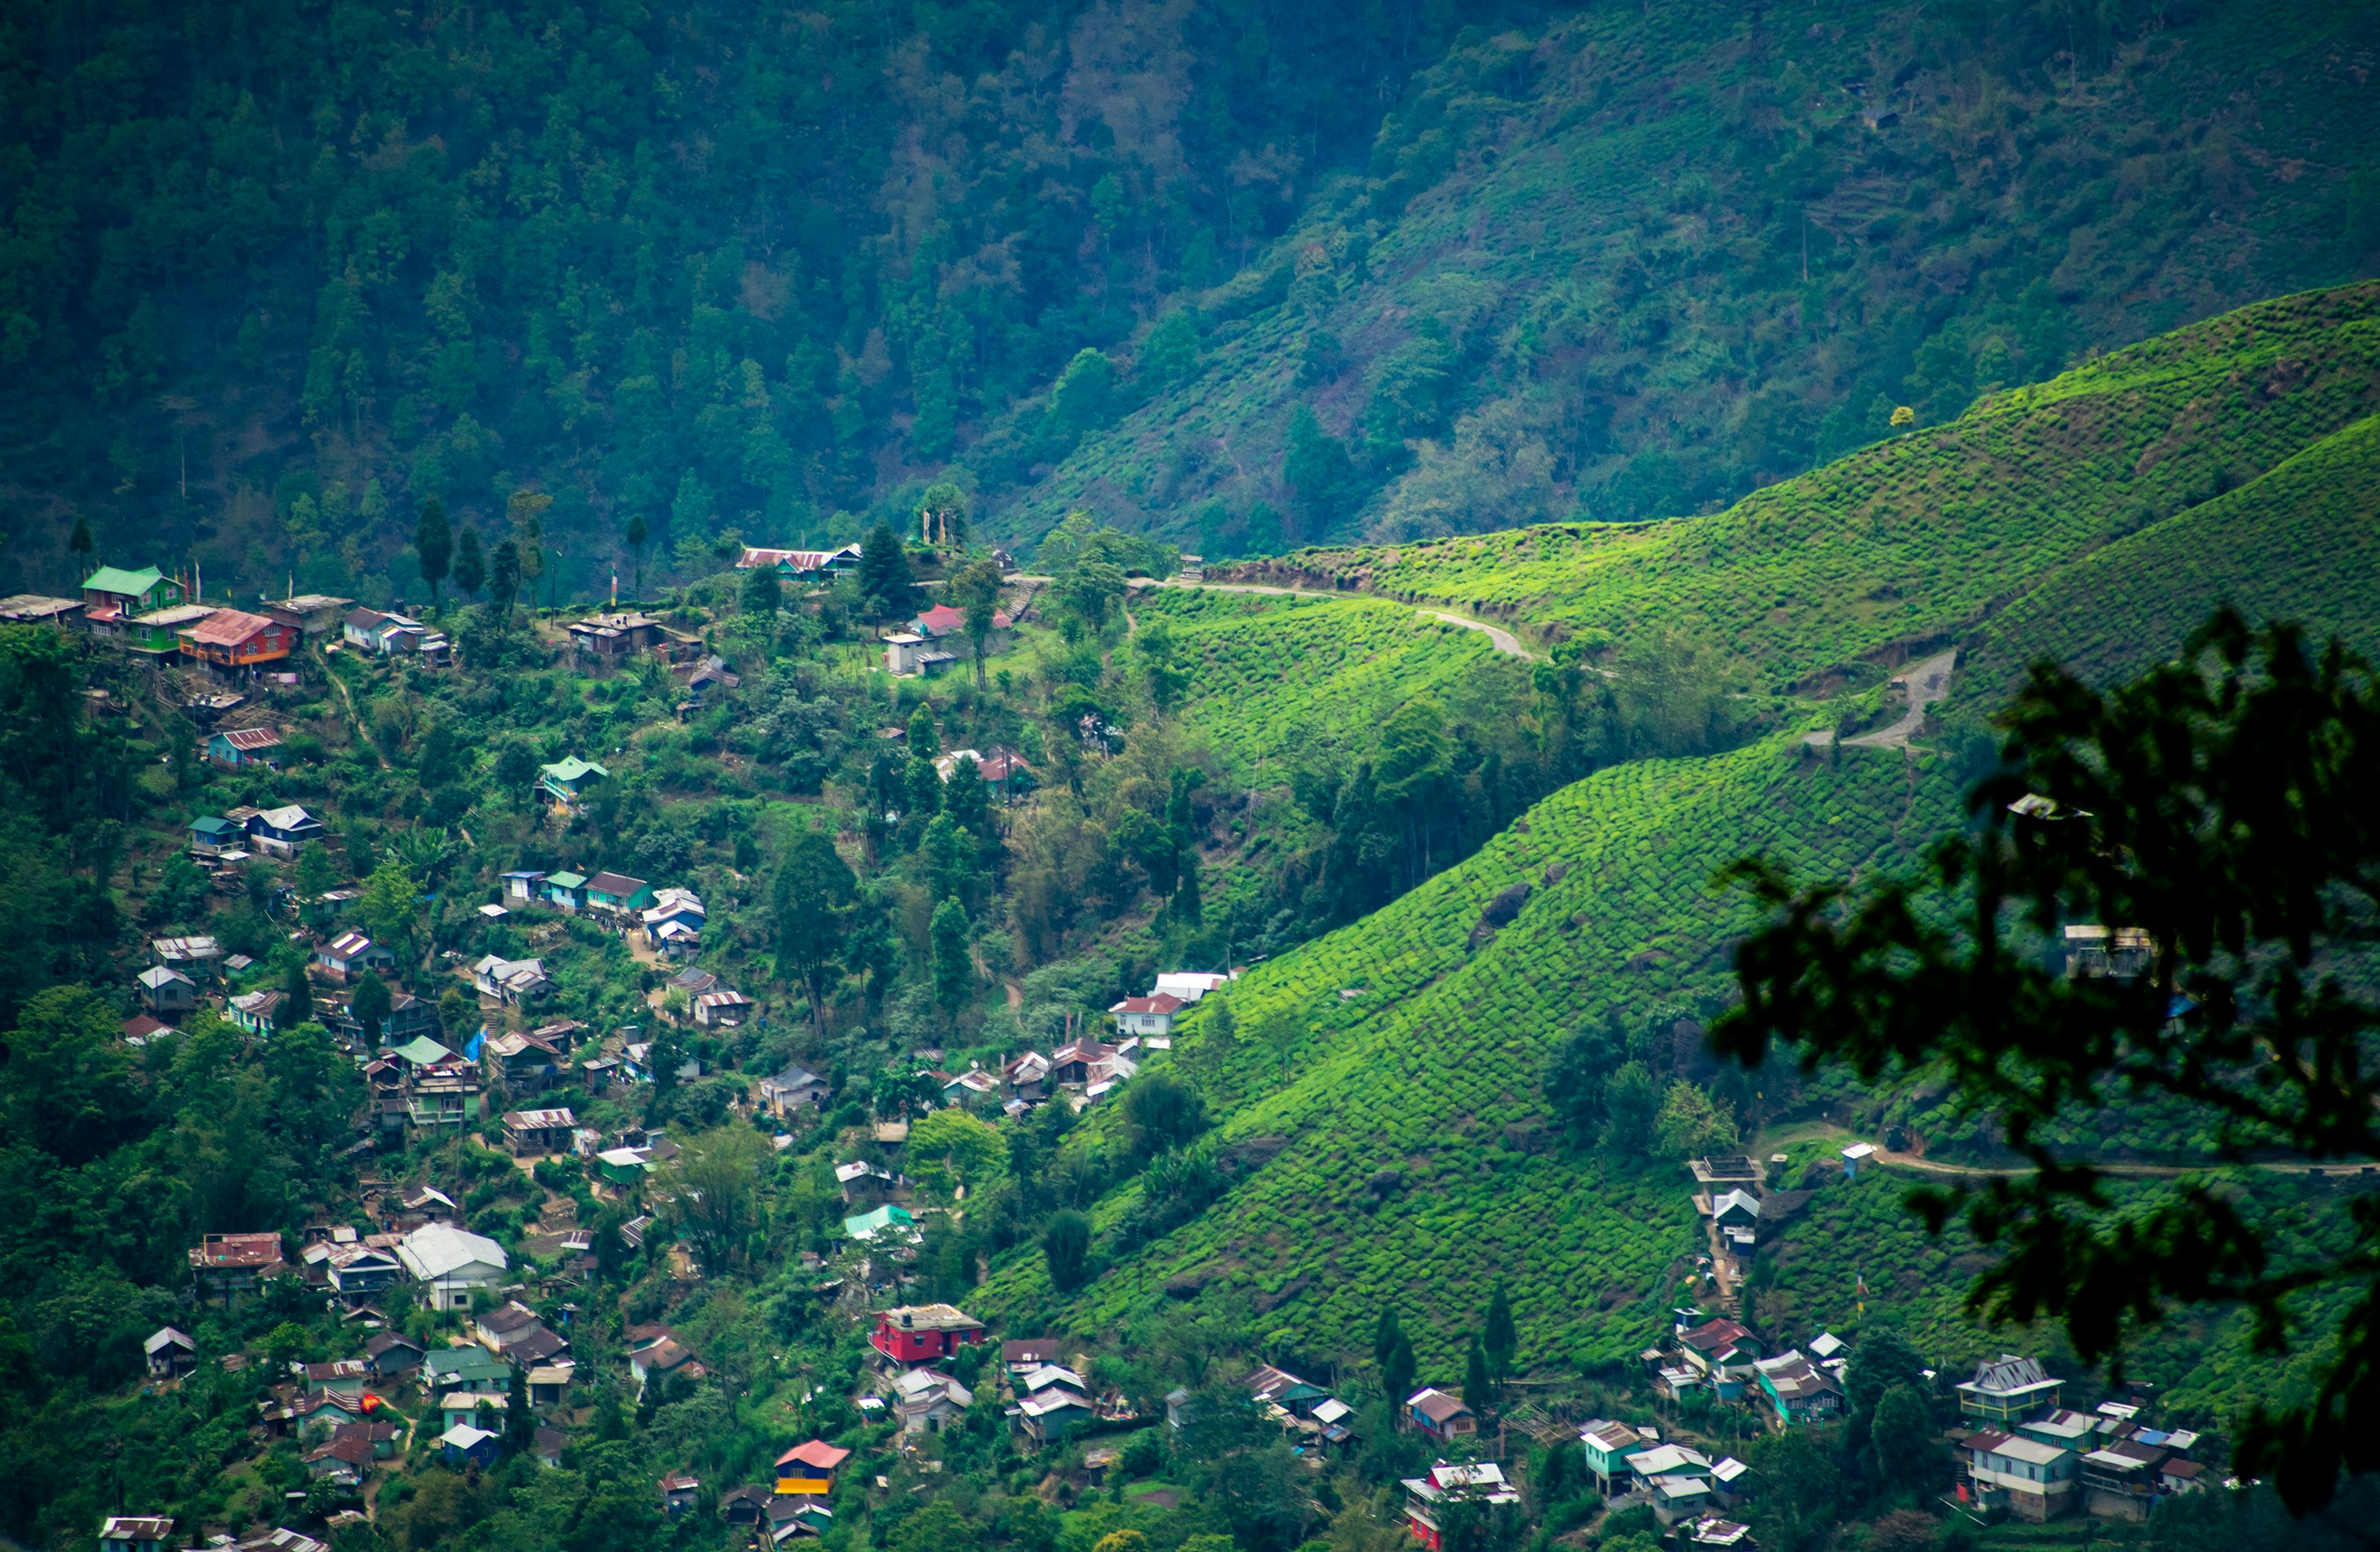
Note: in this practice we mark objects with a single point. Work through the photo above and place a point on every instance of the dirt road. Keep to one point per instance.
(1504, 641)
(1924, 1165)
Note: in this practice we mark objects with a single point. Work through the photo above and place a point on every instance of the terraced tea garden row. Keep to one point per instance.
(2301, 542)
(1917, 537)
(1274, 680)
(1417, 1165)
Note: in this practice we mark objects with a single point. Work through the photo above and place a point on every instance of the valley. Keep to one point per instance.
(1142, 777)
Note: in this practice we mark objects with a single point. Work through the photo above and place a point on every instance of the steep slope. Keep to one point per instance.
(1919, 540)
(2301, 542)
(1403, 1152)
(1649, 259)
(1276, 680)
(1430, 1068)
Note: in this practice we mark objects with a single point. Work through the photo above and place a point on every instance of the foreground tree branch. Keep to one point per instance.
(2227, 806)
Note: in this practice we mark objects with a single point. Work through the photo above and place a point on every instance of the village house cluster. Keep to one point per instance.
(2024, 1454)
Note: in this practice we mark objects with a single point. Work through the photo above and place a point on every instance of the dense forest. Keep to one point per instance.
(1044, 776)
(273, 279)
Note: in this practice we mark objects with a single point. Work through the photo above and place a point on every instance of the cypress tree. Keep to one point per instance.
(298, 1002)
(470, 563)
(370, 1006)
(884, 574)
(433, 541)
(521, 1423)
(1501, 1340)
(1392, 1353)
(1477, 1388)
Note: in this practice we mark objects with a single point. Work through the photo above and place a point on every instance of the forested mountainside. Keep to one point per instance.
(272, 276)
(1246, 276)
(1642, 260)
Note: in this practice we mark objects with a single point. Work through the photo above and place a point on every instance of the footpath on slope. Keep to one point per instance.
(1504, 641)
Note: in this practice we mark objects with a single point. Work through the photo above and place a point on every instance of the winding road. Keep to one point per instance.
(1923, 683)
(1504, 641)
(1924, 1165)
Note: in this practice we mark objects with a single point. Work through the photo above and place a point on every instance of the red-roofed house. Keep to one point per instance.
(1072, 1062)
(1000, 767)
(230, 1263)
(943, 620)
(1148, 1015)
(808, 1468)
(233, 748)
(231, 639)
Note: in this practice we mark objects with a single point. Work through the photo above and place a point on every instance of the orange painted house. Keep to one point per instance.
(230, 640)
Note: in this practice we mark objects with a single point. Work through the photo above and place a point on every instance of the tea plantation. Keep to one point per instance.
(1919, 539)
(2301, 540)
(1400, 1150)
(1414, 1164)
(1273, 677)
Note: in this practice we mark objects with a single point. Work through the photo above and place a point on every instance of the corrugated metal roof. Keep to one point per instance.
(228, 627)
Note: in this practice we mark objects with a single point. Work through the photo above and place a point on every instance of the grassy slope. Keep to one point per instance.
(1427, 1070)
(1919, 539)
(1608, 219)
(2302, 541)
(1271, 679)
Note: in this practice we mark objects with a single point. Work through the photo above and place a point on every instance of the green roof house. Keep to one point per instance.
(623, 1165)
(422, 1051)
(566, 890)
(111, 596)
(568, 782)
(211, 835)
(448, 1367)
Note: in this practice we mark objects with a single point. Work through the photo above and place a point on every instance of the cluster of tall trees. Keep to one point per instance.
(684, 274)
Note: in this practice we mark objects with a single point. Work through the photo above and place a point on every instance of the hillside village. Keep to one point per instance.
(874, 1045)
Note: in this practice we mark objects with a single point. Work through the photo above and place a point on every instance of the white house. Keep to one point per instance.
(453, 1262)
(927, 1401)
(1192, 985)
(511, 981)
(166, 991)
(169, 1352)
(1148, 1015)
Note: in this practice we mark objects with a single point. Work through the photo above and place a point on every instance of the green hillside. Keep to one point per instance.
(1647, 260)
(2252, 458)
(2301, 542)
(1274, 680)
(1430, 1069)
(1922, 538)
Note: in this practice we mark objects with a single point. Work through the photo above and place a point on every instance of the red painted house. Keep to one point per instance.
(921, 1333)
(230, 640)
